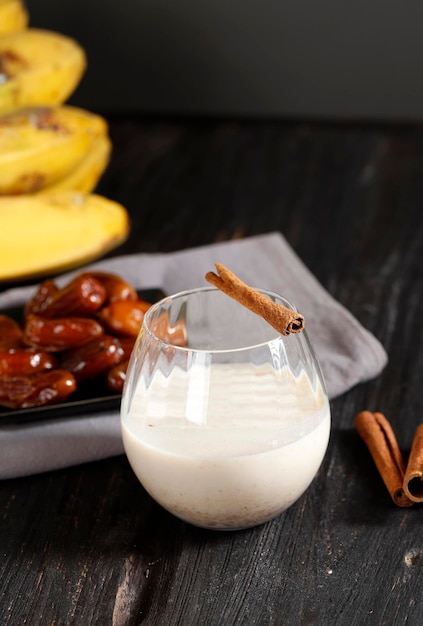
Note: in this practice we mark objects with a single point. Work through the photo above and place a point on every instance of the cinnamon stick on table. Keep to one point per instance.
(377, 434)
(413, 479)
(283, 319)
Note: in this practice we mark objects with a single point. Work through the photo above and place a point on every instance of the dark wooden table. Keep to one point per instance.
(86, 545)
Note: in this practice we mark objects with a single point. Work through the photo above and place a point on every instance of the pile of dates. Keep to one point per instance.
(68, 337)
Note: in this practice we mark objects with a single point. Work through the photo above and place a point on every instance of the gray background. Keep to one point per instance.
(273, 58)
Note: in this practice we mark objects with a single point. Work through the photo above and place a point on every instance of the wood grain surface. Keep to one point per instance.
(87, 546)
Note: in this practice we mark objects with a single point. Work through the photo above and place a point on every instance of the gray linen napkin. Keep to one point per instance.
(348, 353)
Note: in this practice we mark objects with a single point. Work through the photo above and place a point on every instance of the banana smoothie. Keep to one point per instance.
(246, 460)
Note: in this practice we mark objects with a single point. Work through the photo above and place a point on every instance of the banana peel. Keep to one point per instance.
(13, 16)
(42, 234)
(40, 146)
(38, 68)
(86, 175)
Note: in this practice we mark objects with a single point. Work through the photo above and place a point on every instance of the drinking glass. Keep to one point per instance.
(224, 421)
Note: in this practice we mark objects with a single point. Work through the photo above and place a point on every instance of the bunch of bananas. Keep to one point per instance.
(52, 155)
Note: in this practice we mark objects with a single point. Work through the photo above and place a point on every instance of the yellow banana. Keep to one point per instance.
(45, 233)
(85, 177)
(13, 16)
(38, 68)
(41, 145)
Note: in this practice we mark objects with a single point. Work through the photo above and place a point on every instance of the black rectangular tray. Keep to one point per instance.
(89, 399)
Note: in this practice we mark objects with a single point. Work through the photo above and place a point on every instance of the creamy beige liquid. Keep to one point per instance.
(237, 460)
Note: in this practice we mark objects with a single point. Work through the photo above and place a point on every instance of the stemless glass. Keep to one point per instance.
(228, 428)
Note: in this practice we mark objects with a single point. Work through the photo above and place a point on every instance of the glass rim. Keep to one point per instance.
(187, 292)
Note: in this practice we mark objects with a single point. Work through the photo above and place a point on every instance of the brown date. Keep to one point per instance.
(25, 361)
(116, 377)
(175, 334)
(116, 287)
(10, 333)
(94, 358)
(39, 300)
(84, 295)
(124, 317)
(40, 389)
(127, 344)
(58, 334)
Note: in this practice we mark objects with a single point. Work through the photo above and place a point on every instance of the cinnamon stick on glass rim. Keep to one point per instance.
(377, 434)
(283, 319)
(413, 479)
